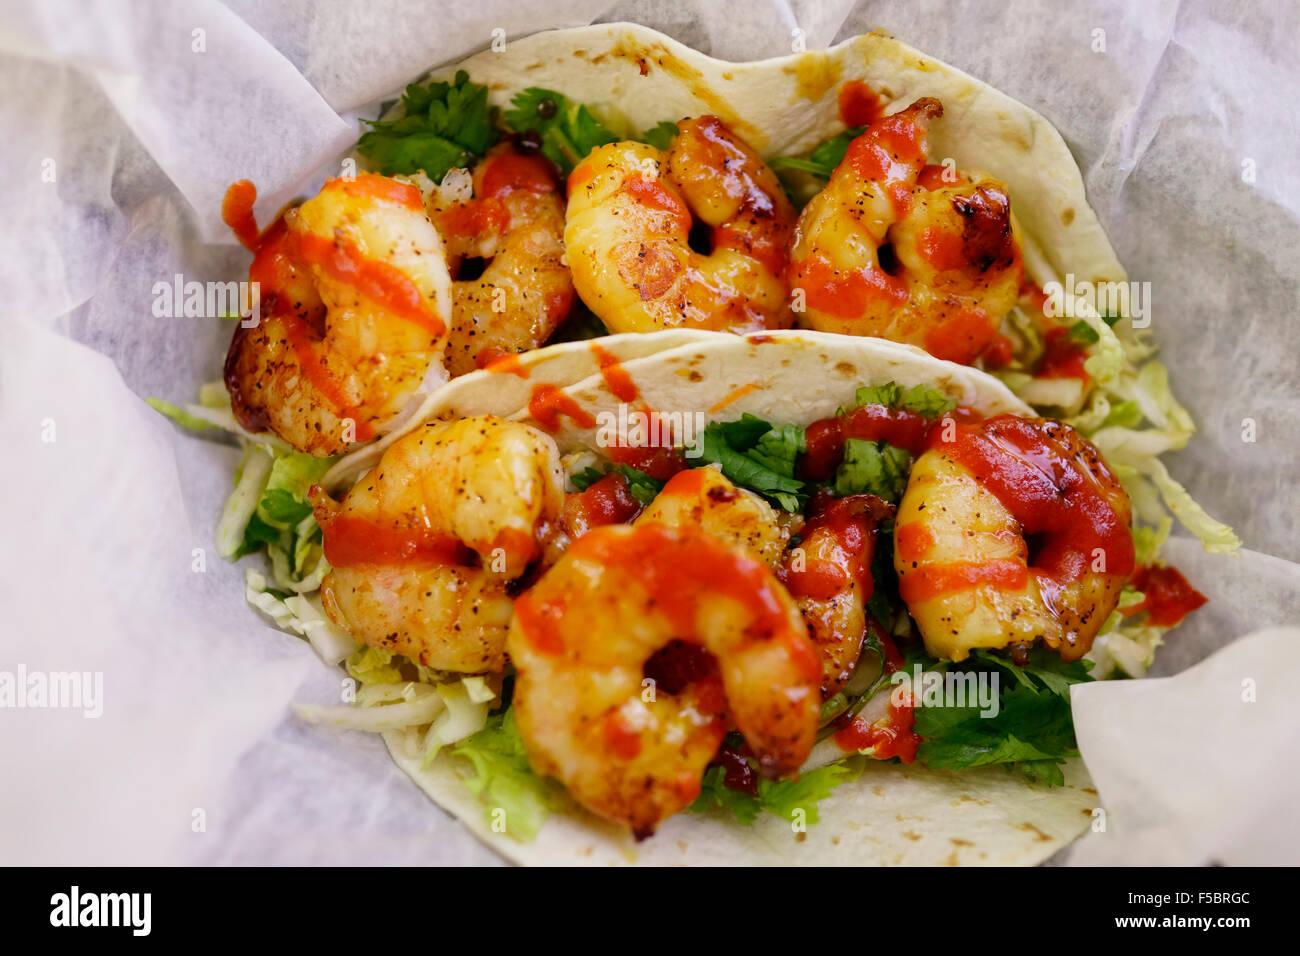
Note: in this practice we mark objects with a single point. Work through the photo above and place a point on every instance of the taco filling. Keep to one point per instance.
(643, 443)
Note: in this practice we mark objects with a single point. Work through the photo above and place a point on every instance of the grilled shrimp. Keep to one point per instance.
(705, 498)
(891, 248)
(354, 297)
(829, 575)
(633, 751)
(516, 221)
(1014, 531)
(424, 547)
(629, 228)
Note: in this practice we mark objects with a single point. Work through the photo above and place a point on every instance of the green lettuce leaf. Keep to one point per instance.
(503, 781)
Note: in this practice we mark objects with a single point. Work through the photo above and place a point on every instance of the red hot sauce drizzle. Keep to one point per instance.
(281, 252)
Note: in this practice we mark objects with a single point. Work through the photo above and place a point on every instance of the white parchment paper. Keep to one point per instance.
(123, 123)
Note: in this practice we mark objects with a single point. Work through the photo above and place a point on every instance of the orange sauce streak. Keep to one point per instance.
(891, 736)
(237, 212)
(374, 186)
(889, 153)
(477, 217)
(734, 396)
(494, 360)
(847, 294)
(942, 249)
(582, 173)
(548, 403)
(616, 377)
(387, 286)
(350, 540)
(930, 581)
(859, 104)
(961, 337)
(509, 171)
(914, 541)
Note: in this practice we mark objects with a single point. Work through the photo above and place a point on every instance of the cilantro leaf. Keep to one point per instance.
(780, 798)
(744, 433)
(929, 402)
(641, 486)
(282, 507)
(748, 471)
(779, 448)
(825, 156)
(1029, 726)
(1032, 731)
(446, 126)
(874, 468)
(568, 130)
(661, 135)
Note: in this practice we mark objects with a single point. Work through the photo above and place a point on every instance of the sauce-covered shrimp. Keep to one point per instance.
(1011, 532)
(581, 639)
(354, 302)
(629, 228)
(900, 250)
(424, 547)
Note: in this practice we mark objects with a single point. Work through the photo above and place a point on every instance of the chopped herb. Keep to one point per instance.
(568, 130)
(445, 126)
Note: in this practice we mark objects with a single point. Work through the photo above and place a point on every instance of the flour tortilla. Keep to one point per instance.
(500, 393)
(635, 78)
(892, 814)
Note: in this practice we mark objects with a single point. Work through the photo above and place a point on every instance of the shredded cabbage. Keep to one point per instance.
(301, 615)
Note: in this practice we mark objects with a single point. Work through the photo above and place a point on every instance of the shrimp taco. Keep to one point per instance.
(783, 597)
(698, 462)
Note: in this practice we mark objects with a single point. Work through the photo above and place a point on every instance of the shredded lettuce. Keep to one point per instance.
(298, 614)
(514, 797)
(250, 480)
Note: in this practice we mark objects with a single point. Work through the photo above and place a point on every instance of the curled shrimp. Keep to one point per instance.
(1013, 531)
(354, 298)
(424, 547)
(628, 749)
(628, 233)
(705, 498)
(514, 222)
(899, 250)
(829, 575)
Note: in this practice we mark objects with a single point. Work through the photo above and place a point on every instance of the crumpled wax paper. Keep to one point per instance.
(124, 122)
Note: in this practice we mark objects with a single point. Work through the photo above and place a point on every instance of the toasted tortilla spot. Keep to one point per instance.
(815, 74)
(845, 369)
(911, 835)
(960, 842)
(1067, 216)
(1039, 835)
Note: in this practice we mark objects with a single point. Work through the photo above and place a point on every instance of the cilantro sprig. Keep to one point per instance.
(1033, 731)
(568, 130)
(825, 156)
(929, 402)
(445, 126)
(641, 486)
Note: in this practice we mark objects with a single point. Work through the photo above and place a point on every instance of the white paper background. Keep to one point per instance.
(145, 133)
